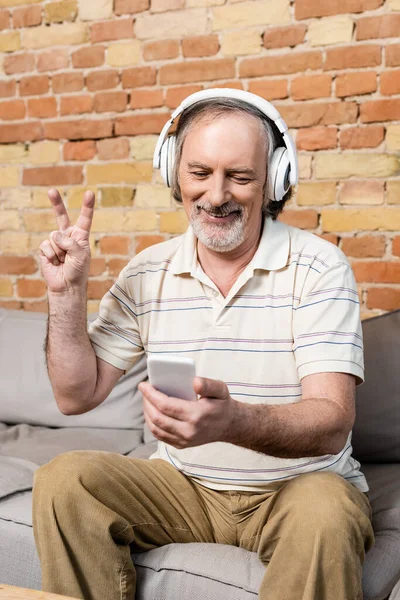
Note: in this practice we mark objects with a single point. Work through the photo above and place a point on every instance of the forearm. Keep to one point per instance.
(71, 361)
(312, 427)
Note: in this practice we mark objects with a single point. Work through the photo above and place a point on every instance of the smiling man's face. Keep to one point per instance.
(222, 173)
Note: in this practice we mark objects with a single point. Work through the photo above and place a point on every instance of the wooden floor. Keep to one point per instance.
(8, 592)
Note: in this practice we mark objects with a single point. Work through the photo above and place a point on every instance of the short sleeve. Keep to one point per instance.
(327, 327)
(115, 334)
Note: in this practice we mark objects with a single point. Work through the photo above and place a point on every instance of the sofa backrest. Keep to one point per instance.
(26, 395)
(376, 433)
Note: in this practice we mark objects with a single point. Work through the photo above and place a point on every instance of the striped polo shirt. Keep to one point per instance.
(292, 312)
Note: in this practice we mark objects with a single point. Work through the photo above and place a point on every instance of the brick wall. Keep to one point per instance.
(86, 86)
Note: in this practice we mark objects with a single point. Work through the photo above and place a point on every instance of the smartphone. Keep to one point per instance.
(172, 375)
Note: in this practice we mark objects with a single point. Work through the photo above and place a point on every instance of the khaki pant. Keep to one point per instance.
(89, 507)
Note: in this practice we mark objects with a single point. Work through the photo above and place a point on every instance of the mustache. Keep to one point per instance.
(218, 211)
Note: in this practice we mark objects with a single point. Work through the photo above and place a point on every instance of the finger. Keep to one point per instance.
(160, 420)
(175, 408)
(57, 250)
(47, 250)
(85, 218)
(59, 209)
(68, 245)
(210, 388)
(161, 435)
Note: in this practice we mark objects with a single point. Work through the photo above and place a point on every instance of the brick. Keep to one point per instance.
(11, 110)
(9, 177)
(140, 220)
(119, 173)
(353, 57)
(147, 98)
(383, 298)
(152, 196)
(111, 101)
(393, 192)
(330, 237)
(200, 45)
(311, 86)
(17, 265)
(52, 60)
(197, 70)
(107, 220)
(130, 6)
(365, 219)
(361, 137)
(13, 153)
(362, 192)
(164, 5)
(280, 64)
(124, 54)
(394, 4)
(67, 82)
(393, 137)
(97, 267)
(27, 17)
(117, 196)
(331, 30)
(304, 166)
(75, 197)
(392, 55)
(34, 85)
(270, 89)
(145, 241)
(21, 132)
(175, 95)
(194, 3)
(79, 129)
(366, 246)
(10, 41)
(143, 146)
(354, 84)
(102, 80)
(160, 50)
(316, 194)
(140, 124)
(14, 243)
(8, 88)
(377, 271)
(42, 107)
(138, 77)
(380, 110)
(97, 288)
(174, 24)
(338, 166)
(39, 221)
(173, 222)
(52, 176)
(238, 43)
(323, 113)
(112, 30)
(382, 26)
(88, 57)
(114, 244)
(396, 246)
(19, 63)
(80, 151)
(73, 105)
(249, 14)
(44, 153)
(4, 19)
(305, 9)
(40, 199)
(40, 306)
(93, 306)
(113, 148)
(115, 265)
(390, 82)
(279, 37)
(6, 287)
(94, 11)
(304, 219)
(316, 138)
(18, 198)
(31, 288)
(9, 219)
(57, 12)
(67, 34)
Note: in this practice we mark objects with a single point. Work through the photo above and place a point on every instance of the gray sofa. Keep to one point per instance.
(33, 431)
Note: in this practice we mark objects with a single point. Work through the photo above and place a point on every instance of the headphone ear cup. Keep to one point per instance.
(278, 174)
(171, 159)
(164, 161)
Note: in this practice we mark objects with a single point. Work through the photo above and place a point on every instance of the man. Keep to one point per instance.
(263, 459)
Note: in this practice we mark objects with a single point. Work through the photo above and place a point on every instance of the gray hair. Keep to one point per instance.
(214, 108)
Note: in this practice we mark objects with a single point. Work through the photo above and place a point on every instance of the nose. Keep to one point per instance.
(218, 192)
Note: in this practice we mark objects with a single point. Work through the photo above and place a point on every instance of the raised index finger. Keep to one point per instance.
(85, 218)
(60, 211)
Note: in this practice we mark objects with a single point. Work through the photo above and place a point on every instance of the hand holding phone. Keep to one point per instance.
(172, 375)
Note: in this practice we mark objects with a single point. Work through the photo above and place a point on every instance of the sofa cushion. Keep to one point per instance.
(23, 368)
(376, 433)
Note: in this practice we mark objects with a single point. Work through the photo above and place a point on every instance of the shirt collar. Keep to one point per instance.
(272, 252)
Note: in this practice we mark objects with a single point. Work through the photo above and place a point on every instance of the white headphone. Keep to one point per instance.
(282, 168)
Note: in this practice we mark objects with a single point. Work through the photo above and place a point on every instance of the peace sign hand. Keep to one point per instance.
(65, 255)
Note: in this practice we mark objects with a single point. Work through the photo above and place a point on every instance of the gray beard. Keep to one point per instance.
(224, 237)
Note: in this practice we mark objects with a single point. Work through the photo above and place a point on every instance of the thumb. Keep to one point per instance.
(66, 243)
(210, 388)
